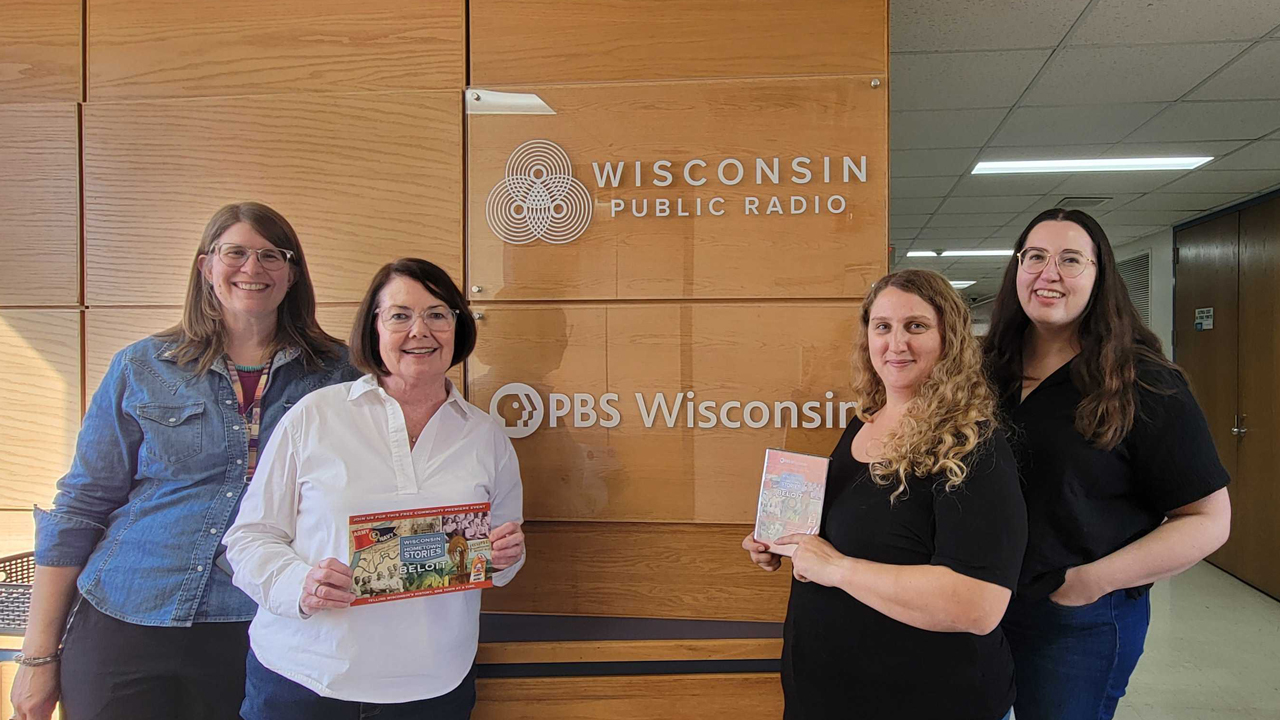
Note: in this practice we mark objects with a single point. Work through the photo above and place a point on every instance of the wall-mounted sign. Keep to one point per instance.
(520, 409)
(1204, 319)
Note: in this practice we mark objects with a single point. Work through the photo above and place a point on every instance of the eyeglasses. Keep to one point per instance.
(438, 319)
(1071, 263)
(269, 258)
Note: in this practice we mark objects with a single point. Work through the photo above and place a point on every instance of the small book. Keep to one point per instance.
(412, 553)
(791, 494)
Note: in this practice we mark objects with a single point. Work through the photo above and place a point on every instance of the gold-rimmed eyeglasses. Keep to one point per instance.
(1071, 263)
(271, 258)
(397, 318)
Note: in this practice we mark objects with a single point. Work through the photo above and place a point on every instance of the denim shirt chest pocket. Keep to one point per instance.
(172, 433)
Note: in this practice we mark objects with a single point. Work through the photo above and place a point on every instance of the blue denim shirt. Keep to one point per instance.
(156, 481)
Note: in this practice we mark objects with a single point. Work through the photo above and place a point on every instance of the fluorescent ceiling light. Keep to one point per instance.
(1095, 165)
(977, 253)
(962, 284)
(922, 253)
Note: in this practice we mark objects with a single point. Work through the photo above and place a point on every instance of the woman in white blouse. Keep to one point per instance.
(399, 438)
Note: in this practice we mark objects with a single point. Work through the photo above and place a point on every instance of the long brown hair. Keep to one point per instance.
(1113, 341)
(953, 410)
(201, 336)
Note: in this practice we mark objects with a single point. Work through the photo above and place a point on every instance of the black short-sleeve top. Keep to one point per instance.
(1084, 503)
(843, 659)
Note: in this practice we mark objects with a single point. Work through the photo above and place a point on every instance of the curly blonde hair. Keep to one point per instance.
(954, 409)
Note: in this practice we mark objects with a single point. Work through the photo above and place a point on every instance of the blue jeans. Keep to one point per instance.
(271, 696)
(1074, 663)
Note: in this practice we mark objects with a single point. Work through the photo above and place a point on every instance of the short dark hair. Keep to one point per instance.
(364, 332)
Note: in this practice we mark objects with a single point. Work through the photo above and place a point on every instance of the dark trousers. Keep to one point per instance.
(271, 696)
(113, 669)
(1075, 663)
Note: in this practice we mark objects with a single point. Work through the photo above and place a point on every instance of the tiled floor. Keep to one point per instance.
(1213, 652)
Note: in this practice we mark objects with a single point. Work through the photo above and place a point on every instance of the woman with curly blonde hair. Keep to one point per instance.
(896, 602)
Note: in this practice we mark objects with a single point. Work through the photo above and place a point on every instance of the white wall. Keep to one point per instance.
(1161, 247)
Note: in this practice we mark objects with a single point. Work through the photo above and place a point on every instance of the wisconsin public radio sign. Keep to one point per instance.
(538, 197)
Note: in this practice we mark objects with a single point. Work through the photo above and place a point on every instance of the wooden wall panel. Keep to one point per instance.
(110, 330)
(637, 697)
(566, 41)
(769, 352)
(363, 179)
(39, 51)
(574, 651)
(39, 402)
(147, 49)
(39, 202)
(17, 532)
(735, 255)
(660, 570)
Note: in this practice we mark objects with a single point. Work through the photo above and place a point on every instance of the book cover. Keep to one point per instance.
(427, 551)
(791, 493)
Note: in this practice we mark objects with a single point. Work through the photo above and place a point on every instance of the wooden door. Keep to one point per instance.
(1207, 277)
(1256, 526)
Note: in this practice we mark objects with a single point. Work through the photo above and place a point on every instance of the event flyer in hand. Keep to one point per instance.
(791, 494)
(412, 553)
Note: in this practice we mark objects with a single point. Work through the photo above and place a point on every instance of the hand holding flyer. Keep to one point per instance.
(412, 553)
(791, 493)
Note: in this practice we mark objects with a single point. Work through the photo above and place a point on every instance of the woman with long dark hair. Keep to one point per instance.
(1122, 483)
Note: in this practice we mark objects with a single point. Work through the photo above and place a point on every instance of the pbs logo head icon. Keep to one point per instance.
(518, 409)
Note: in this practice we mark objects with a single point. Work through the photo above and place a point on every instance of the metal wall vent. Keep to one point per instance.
(1136, 272)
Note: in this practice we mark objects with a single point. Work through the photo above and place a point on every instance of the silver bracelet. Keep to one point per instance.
(25, 661)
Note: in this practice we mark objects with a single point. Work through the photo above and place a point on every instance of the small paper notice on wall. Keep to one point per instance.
(1204, 319)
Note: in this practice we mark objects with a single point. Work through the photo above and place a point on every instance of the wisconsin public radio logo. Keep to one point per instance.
(520, 410)
(538, 198)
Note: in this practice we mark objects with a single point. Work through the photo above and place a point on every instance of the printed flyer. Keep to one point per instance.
(428, 551)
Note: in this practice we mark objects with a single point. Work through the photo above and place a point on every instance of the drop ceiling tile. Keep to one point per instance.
(902, 222)
(903, 234)
(914, 206)
(916, 129)
(944, 25)
(941, 220)
(1003, 241)
(1148, 217)
(1262, 155)
(1203, 148)
(1029, 184)
(1131, 231)
(914, 187)
(1224, 181)
(1107, 183)
(1256, 75)
(989, 204)
(1044, 152)
(965, 233)
(922, 163)
(1144, 73)
(1228, 120)
(1074, 125)
(1183, 201)
(929, 81)
(1126, 22)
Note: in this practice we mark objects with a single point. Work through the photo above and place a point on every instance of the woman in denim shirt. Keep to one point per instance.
(164, 454)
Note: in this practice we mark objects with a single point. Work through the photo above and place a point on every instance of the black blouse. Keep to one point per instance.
(1084, 503)
(843, 659)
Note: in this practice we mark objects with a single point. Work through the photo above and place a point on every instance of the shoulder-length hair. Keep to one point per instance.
(201, 335)
(954, 409)
(365, 354)
(1113, 341)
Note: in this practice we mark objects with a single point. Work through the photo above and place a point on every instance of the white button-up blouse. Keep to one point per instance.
(343, 451)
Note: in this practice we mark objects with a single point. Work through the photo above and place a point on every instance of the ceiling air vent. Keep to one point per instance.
(1081, 203)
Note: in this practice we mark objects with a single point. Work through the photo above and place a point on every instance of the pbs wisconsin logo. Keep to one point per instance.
(538, 198)
(518, 409)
